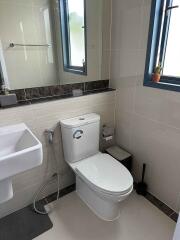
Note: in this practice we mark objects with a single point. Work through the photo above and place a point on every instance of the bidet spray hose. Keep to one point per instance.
(50, 135)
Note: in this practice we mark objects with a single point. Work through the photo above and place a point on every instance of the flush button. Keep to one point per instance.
(77, 134)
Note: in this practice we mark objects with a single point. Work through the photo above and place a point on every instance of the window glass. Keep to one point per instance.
(172, 54)
(76, 32)
(161, 32)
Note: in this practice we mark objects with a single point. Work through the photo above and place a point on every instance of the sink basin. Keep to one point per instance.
(20, 151)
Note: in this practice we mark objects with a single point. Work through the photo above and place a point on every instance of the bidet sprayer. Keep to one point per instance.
(50, 135)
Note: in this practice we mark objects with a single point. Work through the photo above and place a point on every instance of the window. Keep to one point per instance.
(73, 29)
(164, 45)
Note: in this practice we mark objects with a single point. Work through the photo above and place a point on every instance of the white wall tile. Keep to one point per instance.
(147, 119)
(43, 116)
(130, 23)
(156, 145)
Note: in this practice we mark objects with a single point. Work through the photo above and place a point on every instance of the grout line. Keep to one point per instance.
(171, 214)
(160, 205)
(156, 121)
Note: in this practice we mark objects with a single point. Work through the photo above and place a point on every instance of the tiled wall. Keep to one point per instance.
(147, 119)
(39, 117)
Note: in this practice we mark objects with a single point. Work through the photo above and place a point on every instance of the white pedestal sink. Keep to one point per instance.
(20, 151)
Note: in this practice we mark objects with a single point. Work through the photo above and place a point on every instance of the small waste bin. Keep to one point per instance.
(121, 155)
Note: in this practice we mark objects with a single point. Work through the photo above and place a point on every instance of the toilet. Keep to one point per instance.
(101, 181)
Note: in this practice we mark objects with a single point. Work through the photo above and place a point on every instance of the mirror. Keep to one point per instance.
(49, 42)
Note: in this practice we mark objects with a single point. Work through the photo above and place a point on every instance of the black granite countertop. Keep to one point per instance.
(55, 97)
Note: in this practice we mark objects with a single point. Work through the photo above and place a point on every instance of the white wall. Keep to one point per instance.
(39, 117)
(147, 119)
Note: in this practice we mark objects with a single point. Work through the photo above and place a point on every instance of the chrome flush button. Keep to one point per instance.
(77, 134)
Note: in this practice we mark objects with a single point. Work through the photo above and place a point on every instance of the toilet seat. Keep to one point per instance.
(101, 171)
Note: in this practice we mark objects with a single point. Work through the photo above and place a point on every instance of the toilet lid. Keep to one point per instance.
(105, 173)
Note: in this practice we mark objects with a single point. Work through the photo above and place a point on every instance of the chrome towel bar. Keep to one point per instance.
(28, 45)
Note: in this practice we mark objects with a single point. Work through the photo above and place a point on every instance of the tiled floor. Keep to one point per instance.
(139, 220)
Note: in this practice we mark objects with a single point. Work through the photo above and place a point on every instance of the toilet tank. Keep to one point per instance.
(80, 137)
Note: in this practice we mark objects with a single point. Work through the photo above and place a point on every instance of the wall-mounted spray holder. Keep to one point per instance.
(50, 134)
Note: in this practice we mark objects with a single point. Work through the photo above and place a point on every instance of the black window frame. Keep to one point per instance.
(154, 44)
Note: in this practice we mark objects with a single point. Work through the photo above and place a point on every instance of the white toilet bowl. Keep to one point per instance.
(102, 183)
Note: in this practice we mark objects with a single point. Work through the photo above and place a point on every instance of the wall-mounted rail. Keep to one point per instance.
(12, 45)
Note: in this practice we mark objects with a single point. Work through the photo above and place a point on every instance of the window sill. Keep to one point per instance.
(163, 85)
(74, 71)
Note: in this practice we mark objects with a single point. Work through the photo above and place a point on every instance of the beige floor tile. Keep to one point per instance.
(139, 220)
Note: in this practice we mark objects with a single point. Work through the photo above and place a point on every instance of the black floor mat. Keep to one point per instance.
(24, 224)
